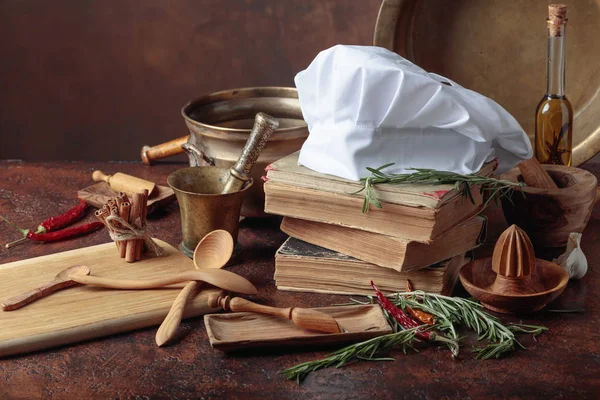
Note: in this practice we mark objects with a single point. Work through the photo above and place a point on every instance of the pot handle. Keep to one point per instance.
(197, 157)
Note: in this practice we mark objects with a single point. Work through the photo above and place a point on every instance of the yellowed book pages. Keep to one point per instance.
(287, 171)
(301, 266)
(415, 223)
(388, 251)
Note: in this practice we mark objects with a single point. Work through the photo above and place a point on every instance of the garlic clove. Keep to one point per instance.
(573, 260)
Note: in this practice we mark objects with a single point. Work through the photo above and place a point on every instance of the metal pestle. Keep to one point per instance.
(239, 174)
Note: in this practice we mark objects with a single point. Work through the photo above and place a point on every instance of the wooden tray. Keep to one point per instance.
(244, 330)
(498, 48)
(83, 312)
(98, 194)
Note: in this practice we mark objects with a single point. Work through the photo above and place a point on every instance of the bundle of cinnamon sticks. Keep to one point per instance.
(134, 213)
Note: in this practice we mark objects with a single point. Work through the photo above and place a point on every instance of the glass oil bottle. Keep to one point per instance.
(554, 114)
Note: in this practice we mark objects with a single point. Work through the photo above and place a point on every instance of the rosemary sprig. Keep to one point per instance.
(449, 313)
(367, 350)
(495, 188)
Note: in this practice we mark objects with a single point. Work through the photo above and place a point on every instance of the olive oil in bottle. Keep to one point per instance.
(554, 114)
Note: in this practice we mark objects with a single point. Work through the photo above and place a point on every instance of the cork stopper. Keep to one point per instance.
(557, 18)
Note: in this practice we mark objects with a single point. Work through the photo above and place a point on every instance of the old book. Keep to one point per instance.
(389, 251)
(417, 212)
(301, 266)
(286, 171)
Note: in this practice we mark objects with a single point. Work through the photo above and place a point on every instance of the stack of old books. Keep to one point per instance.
(421, 233)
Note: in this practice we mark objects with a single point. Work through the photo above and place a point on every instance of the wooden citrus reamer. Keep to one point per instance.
(513, 280)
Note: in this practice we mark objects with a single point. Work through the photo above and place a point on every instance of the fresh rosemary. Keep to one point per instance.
(495, 188)
(367, 350)
(449, 312)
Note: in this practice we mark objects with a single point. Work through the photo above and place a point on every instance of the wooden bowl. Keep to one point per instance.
(477, 278)
(548, 216)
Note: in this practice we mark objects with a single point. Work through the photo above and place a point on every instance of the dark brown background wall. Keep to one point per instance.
(97, 79)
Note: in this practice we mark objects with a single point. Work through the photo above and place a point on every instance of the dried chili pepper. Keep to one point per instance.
(52, 224)
(408, 323)
(54, 236)
(67, 218)
(420, 315)
(400, 316)
(65, 233)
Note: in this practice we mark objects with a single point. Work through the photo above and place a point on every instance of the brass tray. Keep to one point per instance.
(498, 48)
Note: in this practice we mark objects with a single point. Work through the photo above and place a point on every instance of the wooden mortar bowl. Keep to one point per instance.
(548, 216)
(477, 278)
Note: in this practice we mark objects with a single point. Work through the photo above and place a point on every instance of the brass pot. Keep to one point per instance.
(219, 125)
(203, 207)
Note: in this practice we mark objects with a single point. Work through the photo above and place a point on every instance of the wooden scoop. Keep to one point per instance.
(216, 277)
(306, 318)
(61, 281)
(213, 251)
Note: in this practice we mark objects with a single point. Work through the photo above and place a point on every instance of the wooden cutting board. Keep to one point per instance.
(80, 313)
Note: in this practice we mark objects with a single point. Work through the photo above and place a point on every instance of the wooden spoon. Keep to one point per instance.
(214, 250)
(306, 318)
(216, 277)
(61, 281)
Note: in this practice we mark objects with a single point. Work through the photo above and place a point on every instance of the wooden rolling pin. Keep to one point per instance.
(163, 150)
(124, 183)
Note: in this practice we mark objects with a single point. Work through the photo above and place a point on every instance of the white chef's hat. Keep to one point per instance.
(366, 106)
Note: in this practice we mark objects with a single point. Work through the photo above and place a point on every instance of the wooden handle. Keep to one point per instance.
(305, 318)
(163, 150)
(535, 175)
(167, 329)
(216, 277)
(237, 304)
(21, 300)
(99, 176)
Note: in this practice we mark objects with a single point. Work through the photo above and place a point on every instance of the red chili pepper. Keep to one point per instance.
(52, 224)
(70, 216)
(408, 323)
(399, 315)
(65, 233)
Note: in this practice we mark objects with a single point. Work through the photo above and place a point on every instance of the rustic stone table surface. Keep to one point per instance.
(563, 363)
